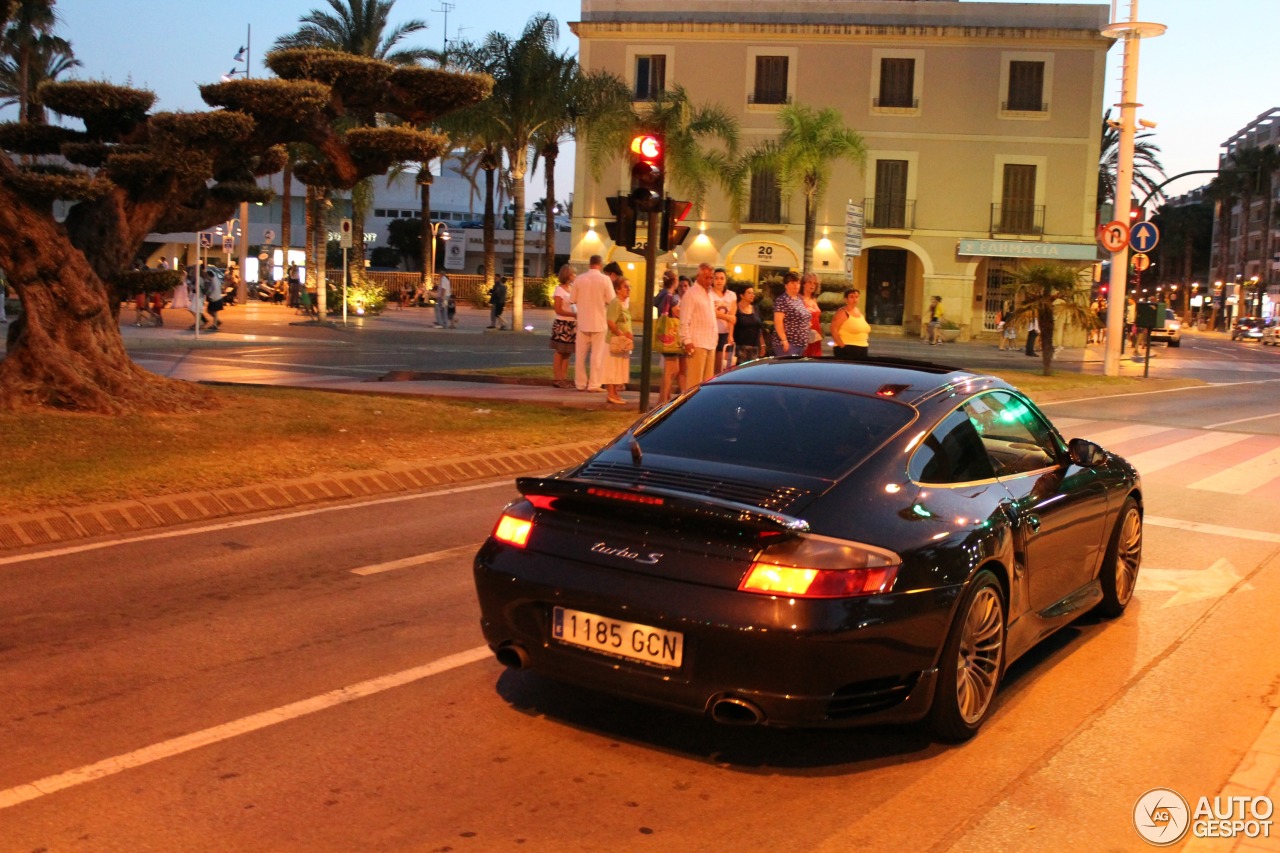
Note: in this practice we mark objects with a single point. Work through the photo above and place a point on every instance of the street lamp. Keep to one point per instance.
(242, 55)
(439, 231)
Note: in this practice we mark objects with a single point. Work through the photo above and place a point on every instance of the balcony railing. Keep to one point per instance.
(1024, 108)
(768, 98)
(896, 104)
(891, 212)
(1023, 219)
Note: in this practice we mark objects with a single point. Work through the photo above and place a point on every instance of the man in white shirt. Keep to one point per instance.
(592, 293)
(698, 328)
(443, 290)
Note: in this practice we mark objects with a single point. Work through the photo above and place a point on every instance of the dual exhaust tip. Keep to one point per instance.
(725, 709)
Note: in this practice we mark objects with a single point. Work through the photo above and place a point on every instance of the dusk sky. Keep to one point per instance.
(1201, 82)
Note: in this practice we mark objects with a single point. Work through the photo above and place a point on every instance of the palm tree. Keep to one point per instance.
(691, 161)
(1223, 191)
(587, 98)
(1146, 162)
(50, 58)
(1051, 292)
(29, 21)
(357, 27)
(802, 157)
(521, 107)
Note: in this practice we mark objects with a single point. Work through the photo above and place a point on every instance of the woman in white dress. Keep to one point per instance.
(617, 370)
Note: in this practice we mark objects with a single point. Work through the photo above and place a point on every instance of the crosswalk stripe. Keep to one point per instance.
(1150, 461)
(1108, 438)
(1243, 478)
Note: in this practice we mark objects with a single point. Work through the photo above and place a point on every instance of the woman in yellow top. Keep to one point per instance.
(851, 330)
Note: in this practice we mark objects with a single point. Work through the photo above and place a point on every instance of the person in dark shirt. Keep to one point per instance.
(748, 332)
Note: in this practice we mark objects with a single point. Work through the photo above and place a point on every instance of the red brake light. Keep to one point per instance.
(513, 531)
(613, 494)
(821, 567)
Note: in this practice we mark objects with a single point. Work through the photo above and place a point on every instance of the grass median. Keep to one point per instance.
(260, 435)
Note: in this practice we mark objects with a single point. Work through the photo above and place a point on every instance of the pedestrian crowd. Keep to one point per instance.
(702, 327)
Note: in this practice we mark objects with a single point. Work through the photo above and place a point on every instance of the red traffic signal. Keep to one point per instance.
(647, 165)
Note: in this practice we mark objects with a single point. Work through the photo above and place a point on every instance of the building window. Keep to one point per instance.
(1018, 199)
(766, 198)
(897, 82)
(771, 80)
(1026, 87)
(651, 76)
(889, 208)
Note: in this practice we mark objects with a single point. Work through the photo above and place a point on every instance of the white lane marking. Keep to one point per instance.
(247, 522)
(419, 560)
(1245, 477)
(1242, 420)
(1191, 585)
(1150, 461)
(1109, 437)
(176, 746)
(1216, 530)
(1209, 386)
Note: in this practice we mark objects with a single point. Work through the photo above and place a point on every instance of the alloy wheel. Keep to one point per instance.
(980, 656)
(1128, 556)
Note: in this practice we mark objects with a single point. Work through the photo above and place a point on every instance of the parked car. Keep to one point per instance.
(814, 543)
(1172, 331)
(1247, 329)
(1271, 332)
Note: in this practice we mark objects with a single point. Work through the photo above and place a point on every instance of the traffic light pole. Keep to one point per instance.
(650, 261)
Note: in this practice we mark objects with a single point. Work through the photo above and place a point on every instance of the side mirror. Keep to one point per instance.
(1085, 453)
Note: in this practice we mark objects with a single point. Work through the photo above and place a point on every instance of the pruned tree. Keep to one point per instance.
(130, 173)
(1056, 295)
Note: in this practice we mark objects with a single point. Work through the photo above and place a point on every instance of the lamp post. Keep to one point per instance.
(243, 56)
(439, 231)
(1132, 31)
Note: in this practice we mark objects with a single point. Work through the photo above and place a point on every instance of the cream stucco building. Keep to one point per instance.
(980, 119)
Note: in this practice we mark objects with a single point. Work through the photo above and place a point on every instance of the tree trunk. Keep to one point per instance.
(359, 207)
(1046, 341)
(810, 229)
(490, 166)
(65, 350)
(550, 153)
(286, 210)
(518, 235)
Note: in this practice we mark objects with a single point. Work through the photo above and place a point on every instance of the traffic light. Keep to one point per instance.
(673, 233)
(622, 230)
(647, 165)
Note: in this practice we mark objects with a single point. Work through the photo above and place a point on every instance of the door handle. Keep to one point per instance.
(1033, 521)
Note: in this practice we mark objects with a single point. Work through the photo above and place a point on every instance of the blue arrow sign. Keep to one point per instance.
(1144, 236)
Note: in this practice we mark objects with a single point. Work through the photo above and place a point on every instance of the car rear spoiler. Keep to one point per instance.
(663, 501)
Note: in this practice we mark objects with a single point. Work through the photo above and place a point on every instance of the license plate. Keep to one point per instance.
(615, 637)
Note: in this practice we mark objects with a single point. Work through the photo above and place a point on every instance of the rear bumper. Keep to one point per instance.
(835, 663)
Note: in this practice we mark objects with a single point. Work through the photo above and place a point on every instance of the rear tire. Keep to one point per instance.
(972, 661)
(1175, 342)
(1119, 574)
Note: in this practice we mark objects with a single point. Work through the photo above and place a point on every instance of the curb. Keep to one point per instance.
(53, 527)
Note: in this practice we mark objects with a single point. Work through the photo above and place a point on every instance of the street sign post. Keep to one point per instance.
(1113, 236)
(1144, 236)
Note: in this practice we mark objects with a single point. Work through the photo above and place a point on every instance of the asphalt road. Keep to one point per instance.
(316, 681)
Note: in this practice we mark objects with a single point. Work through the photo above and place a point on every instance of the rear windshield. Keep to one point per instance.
(802, 430)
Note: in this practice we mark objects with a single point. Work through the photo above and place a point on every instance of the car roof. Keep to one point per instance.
(905, 380)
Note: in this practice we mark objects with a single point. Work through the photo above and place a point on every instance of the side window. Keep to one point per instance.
(951, 453)
(1014, 436)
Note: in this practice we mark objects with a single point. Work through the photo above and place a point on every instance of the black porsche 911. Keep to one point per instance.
(814, 543)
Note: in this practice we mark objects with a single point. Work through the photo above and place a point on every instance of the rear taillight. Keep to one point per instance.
(513, 530)
(821, 567)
